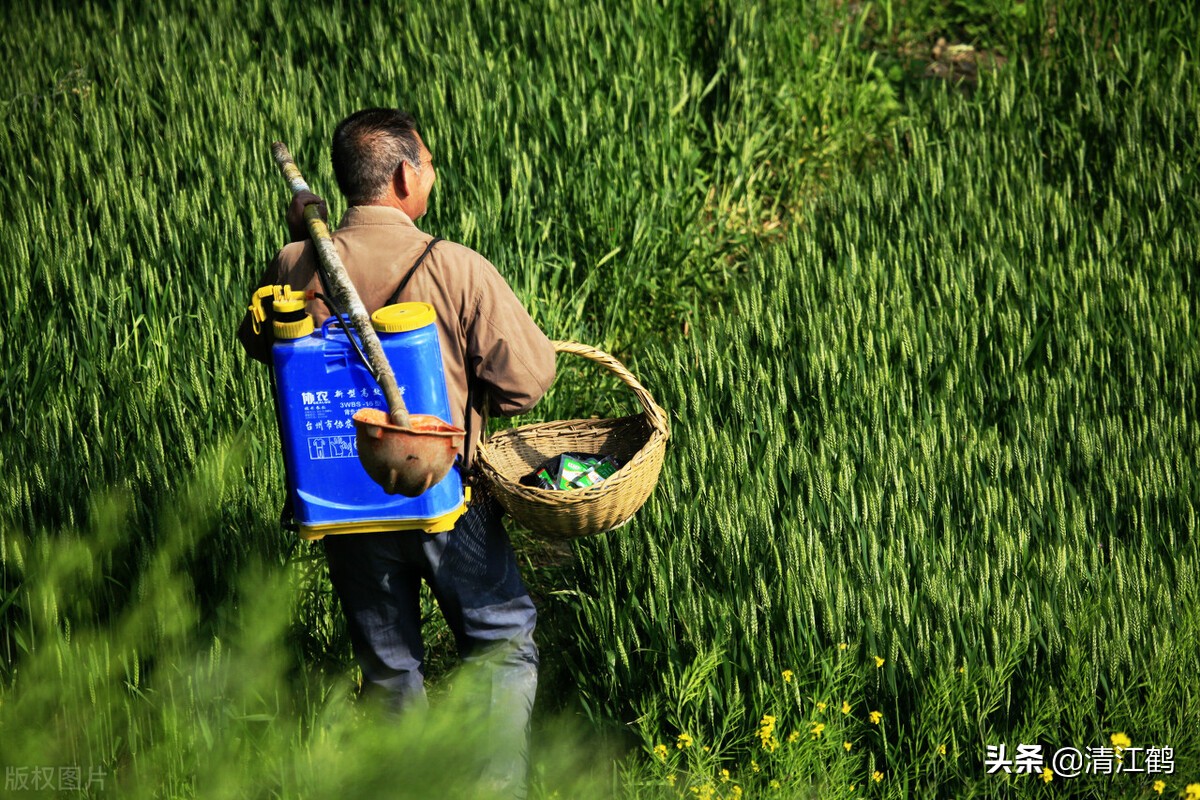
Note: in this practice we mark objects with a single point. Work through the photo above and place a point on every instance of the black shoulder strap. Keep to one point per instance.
(413, 269)
(396, 297)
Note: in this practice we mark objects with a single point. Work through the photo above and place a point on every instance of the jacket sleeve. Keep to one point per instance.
(507, 351)
(257, 345)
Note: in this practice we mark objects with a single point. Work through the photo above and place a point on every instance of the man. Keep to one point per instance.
(493, 354)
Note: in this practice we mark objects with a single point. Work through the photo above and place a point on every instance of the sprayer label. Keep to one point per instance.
(325, 447)
(330, 425)
(332, 410)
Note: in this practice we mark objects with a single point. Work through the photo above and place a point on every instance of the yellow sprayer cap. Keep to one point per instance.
(293, 330)
(290, 320)
(402, 317)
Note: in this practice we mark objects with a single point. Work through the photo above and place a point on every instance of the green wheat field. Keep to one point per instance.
(917, 283)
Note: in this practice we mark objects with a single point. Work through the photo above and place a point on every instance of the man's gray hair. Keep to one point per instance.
(368, 148)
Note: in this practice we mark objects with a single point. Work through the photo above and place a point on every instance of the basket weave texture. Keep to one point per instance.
(637, 442)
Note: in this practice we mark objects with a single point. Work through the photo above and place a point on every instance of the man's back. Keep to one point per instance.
(484, 330)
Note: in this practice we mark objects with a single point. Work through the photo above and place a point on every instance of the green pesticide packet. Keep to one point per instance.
(571, 467)
(571, 471)
(598, 470)
(589, 478)
(606, 468)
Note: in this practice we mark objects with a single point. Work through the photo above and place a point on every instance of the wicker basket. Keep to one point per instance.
(637, 442)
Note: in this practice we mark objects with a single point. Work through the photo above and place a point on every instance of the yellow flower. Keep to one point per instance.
(660, 750)
(877, 776)
(671, 779)
(735, 793)
(787, 676)
(853, 786)
(821, 707)
(817, 729)
(1193, 791)
(753, 765)
(775, 785)
(724, 776)
(793, 736)
(845, 707)
(1159, 786)
(961, 670)
(1047, 774)
(875, 717)
(1120, 741)
(847, 745)
(878, 662)
(843, 646)
(684, 740)
(766, 733)
(941, 749)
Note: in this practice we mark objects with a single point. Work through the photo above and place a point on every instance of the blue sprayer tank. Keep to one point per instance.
(320, 383)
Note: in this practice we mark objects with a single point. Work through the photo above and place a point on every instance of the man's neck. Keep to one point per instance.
(391, 200)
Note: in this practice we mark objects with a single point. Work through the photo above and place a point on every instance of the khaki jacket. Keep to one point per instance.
(486, 335)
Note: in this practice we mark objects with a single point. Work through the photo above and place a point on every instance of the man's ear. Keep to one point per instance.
(400, 181)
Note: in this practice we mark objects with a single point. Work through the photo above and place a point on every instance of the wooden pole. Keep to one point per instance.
(344, 293)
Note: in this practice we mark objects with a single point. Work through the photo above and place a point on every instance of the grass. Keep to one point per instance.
(950, 424)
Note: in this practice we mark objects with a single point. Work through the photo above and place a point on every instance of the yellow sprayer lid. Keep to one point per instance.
(289, 303)
(402, 317)
(293, 330)
(290, 320)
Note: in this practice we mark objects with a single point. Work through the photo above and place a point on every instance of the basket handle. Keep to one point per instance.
(658, 417)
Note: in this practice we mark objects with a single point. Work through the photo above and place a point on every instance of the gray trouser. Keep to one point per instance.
(473, 574)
